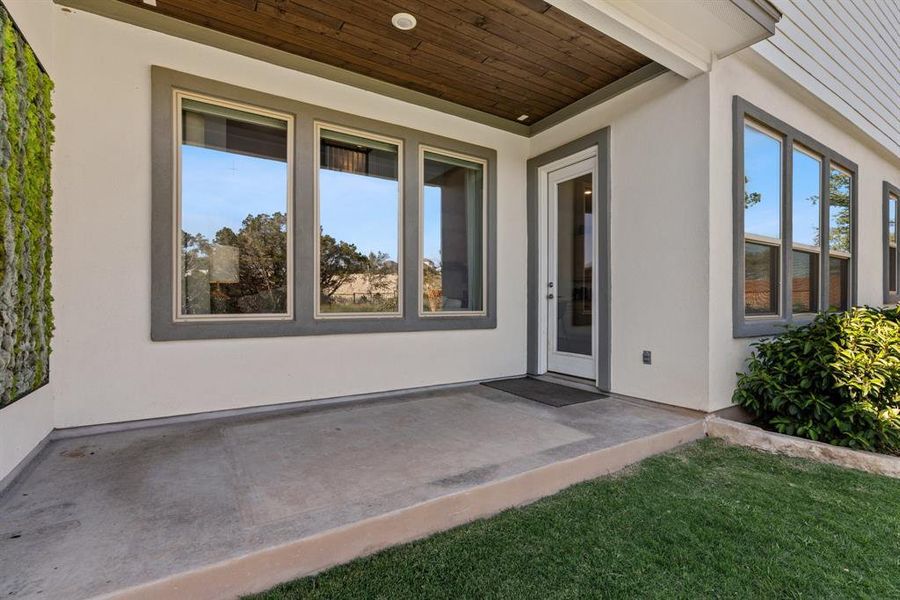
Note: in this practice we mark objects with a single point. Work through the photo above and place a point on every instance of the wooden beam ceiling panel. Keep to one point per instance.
(502, 57)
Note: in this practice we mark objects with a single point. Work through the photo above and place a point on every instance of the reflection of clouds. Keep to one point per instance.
(361, 210)
(219, 189)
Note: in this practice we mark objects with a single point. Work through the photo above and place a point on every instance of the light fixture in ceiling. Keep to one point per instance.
(403, 21)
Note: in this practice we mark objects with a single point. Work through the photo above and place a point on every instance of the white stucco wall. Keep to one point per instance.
(27, 421)
(753, 78)
(106, 366)
(659, 237)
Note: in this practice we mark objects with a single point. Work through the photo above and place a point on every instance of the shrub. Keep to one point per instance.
(835, 380)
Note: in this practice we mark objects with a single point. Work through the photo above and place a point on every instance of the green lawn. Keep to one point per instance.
(706, 521)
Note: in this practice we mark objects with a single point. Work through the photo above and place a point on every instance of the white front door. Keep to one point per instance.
(571, 282)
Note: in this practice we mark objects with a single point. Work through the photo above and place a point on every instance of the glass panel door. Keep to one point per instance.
(574, 267)
(571, 270)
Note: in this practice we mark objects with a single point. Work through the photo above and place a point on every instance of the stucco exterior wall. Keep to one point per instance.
(659, 238)
(106, 364)
(748, 75)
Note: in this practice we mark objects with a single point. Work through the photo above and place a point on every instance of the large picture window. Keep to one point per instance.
(273, 217)
(359, 214)
(794, 202)
(890, 207)
(453, 216)
(233, 211)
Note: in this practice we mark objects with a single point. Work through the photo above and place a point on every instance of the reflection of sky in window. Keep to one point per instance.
(432, 223)
(219, 189)
(762, 168)
(806, 184)
(359, 209)
(836, 212)
(892, 219)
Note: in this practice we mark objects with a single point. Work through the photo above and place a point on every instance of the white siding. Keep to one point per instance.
(848, 54)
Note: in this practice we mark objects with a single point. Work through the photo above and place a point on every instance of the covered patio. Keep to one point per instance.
(212, 508)
(290, 241)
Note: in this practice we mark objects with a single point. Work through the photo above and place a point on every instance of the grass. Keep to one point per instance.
(706, 521)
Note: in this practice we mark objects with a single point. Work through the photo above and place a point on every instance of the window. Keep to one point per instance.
(273, 217)
(233, 211)
(890, 207)
(806, 213)
(762, 221)
(840, 185)
(453, 213)
(359, 223)
(794, 220)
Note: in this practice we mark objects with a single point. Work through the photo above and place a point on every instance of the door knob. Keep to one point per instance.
(550, 296)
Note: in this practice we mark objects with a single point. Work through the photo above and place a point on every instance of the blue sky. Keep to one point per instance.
(359, 209)
(219, 189)
(432, 220)
(807, 173)
(762, 167)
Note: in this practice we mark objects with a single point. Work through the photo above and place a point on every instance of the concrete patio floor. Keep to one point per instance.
(220, 507)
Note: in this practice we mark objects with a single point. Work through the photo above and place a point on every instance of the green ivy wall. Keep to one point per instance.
(26, 135)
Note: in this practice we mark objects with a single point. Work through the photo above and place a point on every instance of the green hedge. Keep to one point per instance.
(26, 136)
(836, 380)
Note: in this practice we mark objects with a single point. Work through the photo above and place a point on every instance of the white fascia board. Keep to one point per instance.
(635, 27)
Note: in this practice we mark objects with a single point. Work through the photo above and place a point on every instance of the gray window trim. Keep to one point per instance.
(889, 190)
(600, 139)
(762, 326)
(163, 327)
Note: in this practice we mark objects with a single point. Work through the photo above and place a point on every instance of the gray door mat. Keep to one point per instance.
(544, 392)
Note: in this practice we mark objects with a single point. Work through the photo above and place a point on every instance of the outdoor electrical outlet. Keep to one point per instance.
(646, 357)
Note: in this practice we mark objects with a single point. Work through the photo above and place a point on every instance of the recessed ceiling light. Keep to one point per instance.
(403, 21)
(522, 118)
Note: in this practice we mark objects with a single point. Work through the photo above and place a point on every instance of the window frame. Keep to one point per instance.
(303, 253)
(764, 240)
(762, 325)
(890, 191)
(178, 269)
(318, 126)
(799, 246)
(423, 148)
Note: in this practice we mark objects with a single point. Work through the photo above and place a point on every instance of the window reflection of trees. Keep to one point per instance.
(243, 272)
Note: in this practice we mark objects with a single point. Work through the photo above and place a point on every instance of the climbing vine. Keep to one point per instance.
(26, 136)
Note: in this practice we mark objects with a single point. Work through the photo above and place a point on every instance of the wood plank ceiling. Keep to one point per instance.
(504, 57)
